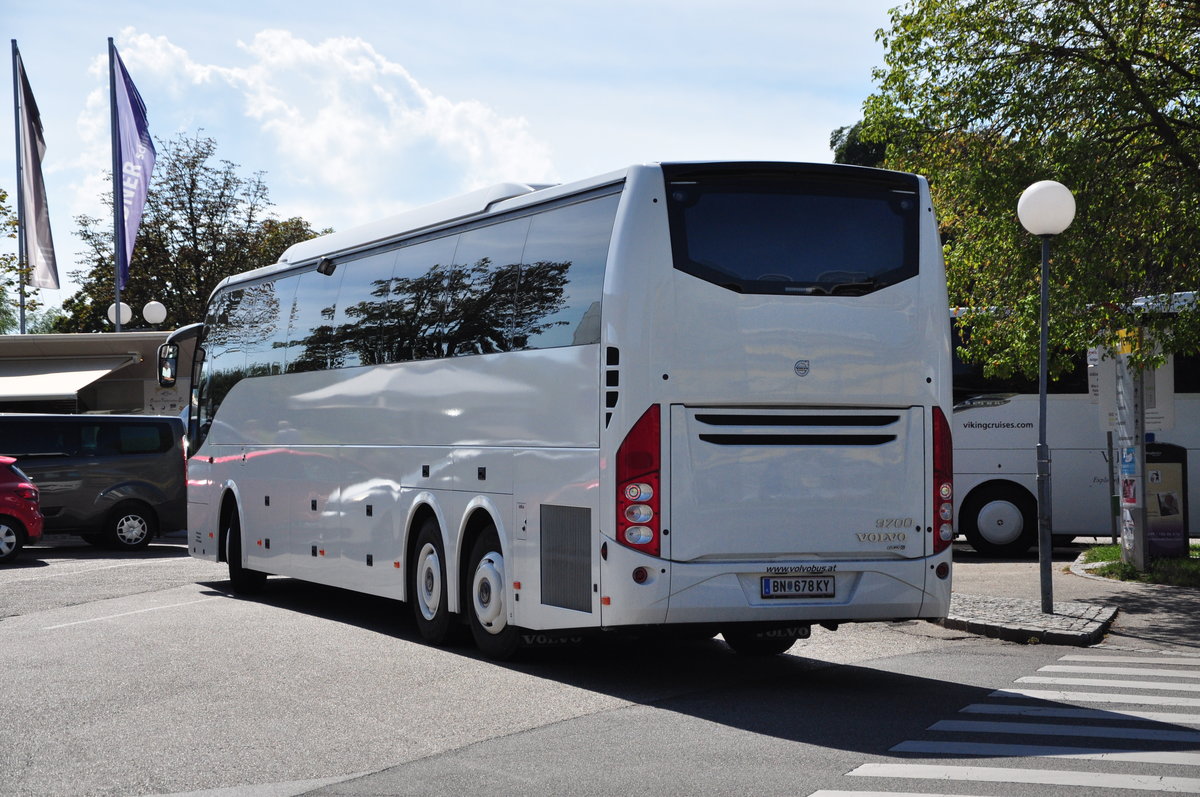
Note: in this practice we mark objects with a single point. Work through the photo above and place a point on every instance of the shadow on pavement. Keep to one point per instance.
(783, 697)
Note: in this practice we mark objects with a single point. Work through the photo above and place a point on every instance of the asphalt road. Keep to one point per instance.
(143, 675)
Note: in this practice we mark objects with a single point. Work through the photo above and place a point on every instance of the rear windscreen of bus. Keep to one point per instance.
(794, 232)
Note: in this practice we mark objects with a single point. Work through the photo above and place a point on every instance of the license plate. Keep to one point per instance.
(798, 587)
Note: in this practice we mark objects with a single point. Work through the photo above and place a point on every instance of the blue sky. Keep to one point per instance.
(356, 110)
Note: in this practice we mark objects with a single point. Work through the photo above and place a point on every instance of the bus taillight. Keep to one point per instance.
(638, 467)
(943, 482)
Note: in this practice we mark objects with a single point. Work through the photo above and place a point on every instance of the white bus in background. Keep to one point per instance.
(995, 430)
(704, 396)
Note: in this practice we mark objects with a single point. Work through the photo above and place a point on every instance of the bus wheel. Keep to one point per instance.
(747, 643)
(488, 610)
(130, 527)
(243, 580)
(427, 586)
(1000, 519)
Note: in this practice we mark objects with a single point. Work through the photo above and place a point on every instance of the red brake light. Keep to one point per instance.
(943, 482)
(27, 492)
(638, 478)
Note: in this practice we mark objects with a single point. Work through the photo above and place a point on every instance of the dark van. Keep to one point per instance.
(116, 480)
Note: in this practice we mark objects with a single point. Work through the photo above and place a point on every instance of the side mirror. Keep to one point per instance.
(168, 364)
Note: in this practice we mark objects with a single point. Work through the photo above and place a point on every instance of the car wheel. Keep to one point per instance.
(130, 527)
(427, 585)
(487, 609)
(243, 580)
(1000, 519)
(12, 539)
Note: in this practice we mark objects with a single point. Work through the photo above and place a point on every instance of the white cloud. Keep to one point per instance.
(346, 136)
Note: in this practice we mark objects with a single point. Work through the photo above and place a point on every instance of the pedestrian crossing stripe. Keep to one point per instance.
(1057, 777)
(994, 750)
(1156, 685)
(1078, 668)
(1058, 712)
(1133, 659)
(1047, 729)
(1059, 696)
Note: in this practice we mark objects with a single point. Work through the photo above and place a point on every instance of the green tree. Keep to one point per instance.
(849, 146)
(202, 222)
(987, 96)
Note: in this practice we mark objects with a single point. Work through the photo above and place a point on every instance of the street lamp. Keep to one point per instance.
(1045, 209)
(154, 313)
(120, 314)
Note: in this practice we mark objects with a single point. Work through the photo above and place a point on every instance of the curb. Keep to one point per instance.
(1023, 621)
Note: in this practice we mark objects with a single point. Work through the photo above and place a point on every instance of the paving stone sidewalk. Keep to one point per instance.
(1022, 620)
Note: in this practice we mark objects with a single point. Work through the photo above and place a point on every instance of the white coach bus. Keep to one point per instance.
(995, 427)
(711, 396)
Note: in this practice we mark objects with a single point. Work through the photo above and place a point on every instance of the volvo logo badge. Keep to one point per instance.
(801, 368)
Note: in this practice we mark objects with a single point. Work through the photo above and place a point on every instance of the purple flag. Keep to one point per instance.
(137, 159)
(33, 210)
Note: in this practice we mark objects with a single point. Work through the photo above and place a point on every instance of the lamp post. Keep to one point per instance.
(154, 313)
(120, 314)
(1045, 209)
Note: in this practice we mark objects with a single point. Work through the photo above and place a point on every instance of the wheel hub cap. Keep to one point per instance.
(488, 593)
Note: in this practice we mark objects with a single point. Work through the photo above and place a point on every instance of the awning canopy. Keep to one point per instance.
(47, 379)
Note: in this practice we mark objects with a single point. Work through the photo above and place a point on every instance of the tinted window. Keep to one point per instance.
(970, 381)
(418, 299)
(260, 315)
(31, 438)
(478, 313)
(794, 231)
(143, 438)
(360, 322)
(1187, 373)
(312, 345)
(562, 275)
(224, 357)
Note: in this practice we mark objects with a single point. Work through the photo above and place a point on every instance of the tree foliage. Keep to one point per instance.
(986, 97)
(202, 222)
(849, 146)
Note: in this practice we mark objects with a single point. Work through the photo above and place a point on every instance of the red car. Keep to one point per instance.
(20, 514)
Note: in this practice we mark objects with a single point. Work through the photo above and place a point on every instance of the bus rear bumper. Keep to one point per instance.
(844, 591)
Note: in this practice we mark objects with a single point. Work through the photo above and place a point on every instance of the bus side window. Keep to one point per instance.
(1187, 373)
(562, 275)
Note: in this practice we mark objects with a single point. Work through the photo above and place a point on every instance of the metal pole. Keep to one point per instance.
(1045, 535)
(1114, 501)
(22, 260)
(118, 197)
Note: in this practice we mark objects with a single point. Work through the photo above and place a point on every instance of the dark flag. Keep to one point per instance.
(136, 158)
(32, 210)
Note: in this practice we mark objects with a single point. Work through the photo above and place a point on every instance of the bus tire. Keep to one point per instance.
(747, 643)
(243, 580)
(427, 585)
(487, 608)
(1000, 519)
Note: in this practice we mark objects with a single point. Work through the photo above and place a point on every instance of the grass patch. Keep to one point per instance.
(1175, 571)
